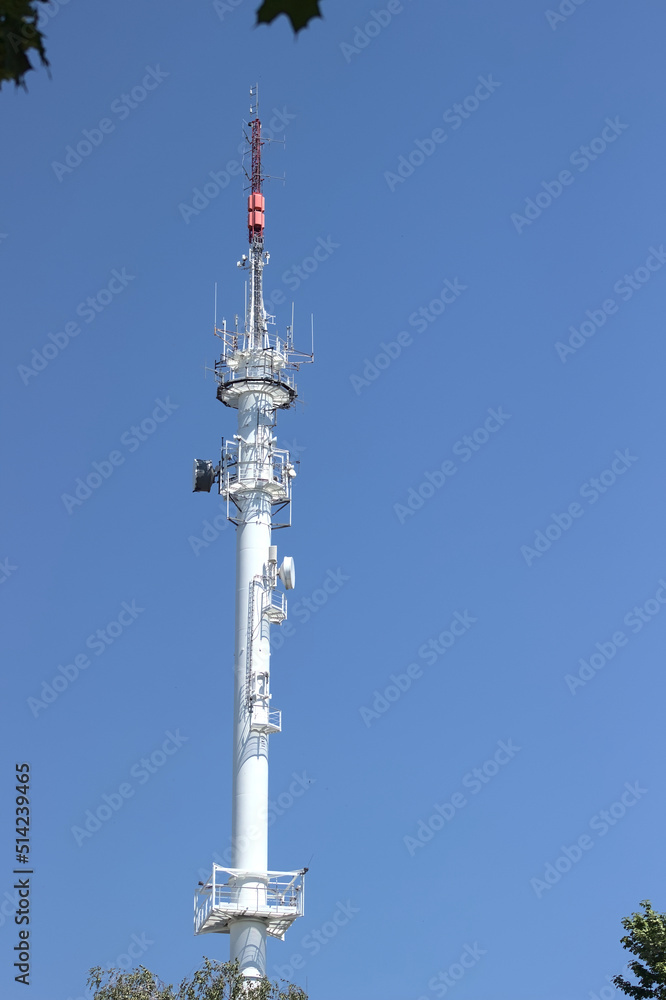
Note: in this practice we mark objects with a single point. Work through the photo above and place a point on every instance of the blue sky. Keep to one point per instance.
(473, 708)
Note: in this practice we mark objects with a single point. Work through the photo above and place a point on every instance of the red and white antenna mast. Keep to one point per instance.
(255, 376)
(256, 218)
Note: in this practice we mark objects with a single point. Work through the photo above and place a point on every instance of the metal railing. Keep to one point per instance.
(242, 462)
(238, 342)
(271, 895)
(276, 607)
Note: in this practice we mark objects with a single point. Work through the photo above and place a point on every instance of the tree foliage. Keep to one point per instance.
(18, 34)
(299, 12)
(19, 31)
(213, 981)
(647, 940)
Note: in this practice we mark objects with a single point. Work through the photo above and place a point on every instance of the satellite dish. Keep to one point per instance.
(287, 573)
(203, 475)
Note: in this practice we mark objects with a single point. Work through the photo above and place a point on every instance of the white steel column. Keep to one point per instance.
(252, 657)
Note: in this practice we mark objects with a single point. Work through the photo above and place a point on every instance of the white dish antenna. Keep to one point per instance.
(287, 573)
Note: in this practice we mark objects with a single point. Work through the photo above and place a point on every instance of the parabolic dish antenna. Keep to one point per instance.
(287, 573)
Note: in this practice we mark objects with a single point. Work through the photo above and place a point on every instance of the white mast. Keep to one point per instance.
(255, 376)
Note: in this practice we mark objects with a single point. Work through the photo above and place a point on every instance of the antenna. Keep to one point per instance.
(256, 205)
(215, 310)
(254, 100)
(255, 376)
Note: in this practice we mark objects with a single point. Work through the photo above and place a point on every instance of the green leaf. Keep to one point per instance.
(18, 34)
(299, 12)
(213, 981)
(647, 940)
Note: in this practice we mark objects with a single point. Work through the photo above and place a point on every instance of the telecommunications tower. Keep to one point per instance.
(255, 376)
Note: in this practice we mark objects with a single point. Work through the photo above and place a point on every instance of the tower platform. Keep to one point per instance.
(281, 391)
(274, 898)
